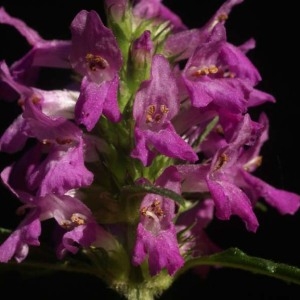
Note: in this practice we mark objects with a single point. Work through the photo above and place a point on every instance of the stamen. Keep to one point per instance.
(64, 141)
(254, 162)
(223, 158)
(152, 215)
(153, 211)
(155, 206)
(66, 224)
(46, 142)
(153, 116)
(96, 62)
(219, 129)
(229, 74)
(22, 209)
(206, 71)
(21, 102)
(157, 118)
(35, 99)
(222, 17)
(78, 219)
(164, 109)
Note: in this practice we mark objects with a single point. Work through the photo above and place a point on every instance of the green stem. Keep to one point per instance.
(50, 267)
(235, 258)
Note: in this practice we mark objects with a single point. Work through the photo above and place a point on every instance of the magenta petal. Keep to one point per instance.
(90, 36)
(83, 235)
(111, 107)
(169, 143)
(90, 103)
(53, 174)
(31, 35)
(141, 150)
(163, 250)
(284, 201)
(230, 200)
(17, 244)
(14, 137)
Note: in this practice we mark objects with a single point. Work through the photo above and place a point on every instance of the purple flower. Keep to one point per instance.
(116, 8)
(30, 34)
(17, 244)
(190, 226)
(221, 73)
(60, 145)
(233, 189)
(44, 53)
(78, 226)
(155, 110)
(154, 9)
(181, 45)
(156, 103)
(47, 168)
(156, 232)
(284, 201)
(96, 56)
(142, 50)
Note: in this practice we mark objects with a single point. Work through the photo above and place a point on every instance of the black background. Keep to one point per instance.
(274, 25)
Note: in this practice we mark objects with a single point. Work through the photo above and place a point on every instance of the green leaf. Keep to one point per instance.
(147, 188)
(209, 127)
(41, 261)
(5, 231)
(235, 258)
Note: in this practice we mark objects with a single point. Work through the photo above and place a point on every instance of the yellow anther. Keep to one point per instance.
(153, 211)
(164, 109)
(213, 69)
(151, 109)
(150, 112)
(78, 219)
(153, 115)
(222, 17)
(254, 162)
(223, 158)
(66, 224)
(96, 62)
(206, 71)
(143, 211)
(35, 99)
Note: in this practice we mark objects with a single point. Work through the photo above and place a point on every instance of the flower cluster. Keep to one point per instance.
(151, 139)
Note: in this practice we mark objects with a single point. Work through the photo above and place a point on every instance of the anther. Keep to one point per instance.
(78, 219)
(223, 158)
(164, 109)
(153, 115)
(63, 141)
(21, 102)
(254, 162)
(46, 142)
(222, 17)
(153, 211)
(96, 62)
(206, 71)
(219, 129)
(35, 99)
(66, 224)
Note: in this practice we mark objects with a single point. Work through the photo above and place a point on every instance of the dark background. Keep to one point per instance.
(275, 28)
